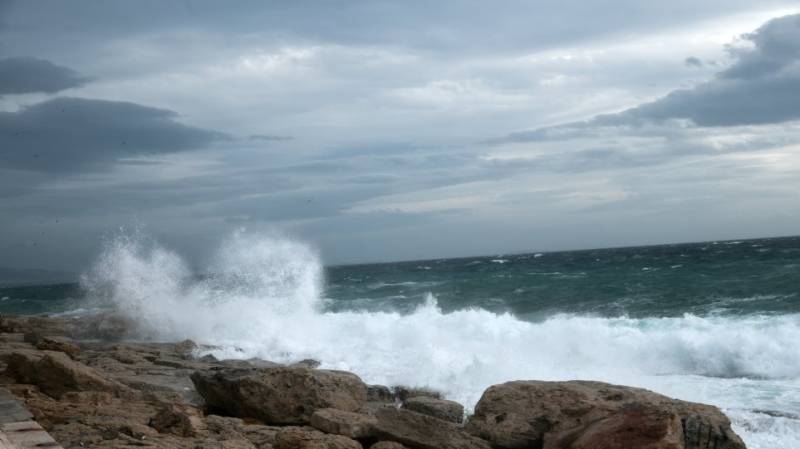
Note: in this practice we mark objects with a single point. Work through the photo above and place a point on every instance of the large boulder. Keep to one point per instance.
(438, 408)
(279, 395)
(305, 438)
(582, 415)
(419, 431)
(55, 373)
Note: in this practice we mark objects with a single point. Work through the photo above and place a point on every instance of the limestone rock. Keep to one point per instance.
(279, 395)
(179, 419)
(419, 431)
(349, 424)
(55, 373)
(640, 427)
(583, 414)
(59, 345)
(438, 408)
(387, 445)
(307, 438)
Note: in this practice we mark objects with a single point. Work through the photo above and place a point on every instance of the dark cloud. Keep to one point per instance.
(74, 134)
(29, 75)
(693, 61)
(761, 87)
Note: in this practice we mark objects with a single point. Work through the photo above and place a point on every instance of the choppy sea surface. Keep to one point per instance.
(714, 322)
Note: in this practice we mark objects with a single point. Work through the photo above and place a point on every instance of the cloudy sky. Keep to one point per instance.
(383, 130)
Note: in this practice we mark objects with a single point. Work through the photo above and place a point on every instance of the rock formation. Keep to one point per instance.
(115, 393)
(582, 414)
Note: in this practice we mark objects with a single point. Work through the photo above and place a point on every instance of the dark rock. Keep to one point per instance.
(247, 363)
(186, 348)
(404, 393)
(438, 408)
(419, 431)
(208, 358)
(379, 393)
(306, 363)
(582, 414)
(280, 395)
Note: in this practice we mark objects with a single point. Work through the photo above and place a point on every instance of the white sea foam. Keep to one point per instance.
(264, 301)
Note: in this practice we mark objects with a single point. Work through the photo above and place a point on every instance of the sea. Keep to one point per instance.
(713, 322)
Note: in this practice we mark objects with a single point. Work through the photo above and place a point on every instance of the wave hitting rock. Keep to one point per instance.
(113, 394)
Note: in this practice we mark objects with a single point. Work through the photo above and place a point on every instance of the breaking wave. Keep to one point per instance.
(264, 298)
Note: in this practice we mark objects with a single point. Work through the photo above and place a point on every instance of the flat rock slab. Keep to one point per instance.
(17, 430)
(11, 410)
(25, 435)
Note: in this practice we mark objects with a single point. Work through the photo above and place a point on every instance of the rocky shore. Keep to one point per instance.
(90, 384)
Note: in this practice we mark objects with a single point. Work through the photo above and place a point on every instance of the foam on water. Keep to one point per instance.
(264, 300)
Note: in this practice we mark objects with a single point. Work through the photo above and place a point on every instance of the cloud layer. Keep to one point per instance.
(762, 86)
(29, 75)
(76, 134)
(370, 127)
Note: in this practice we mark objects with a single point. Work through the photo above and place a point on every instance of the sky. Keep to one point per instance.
(382, 130)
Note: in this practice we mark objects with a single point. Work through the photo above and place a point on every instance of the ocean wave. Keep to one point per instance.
(264, 301)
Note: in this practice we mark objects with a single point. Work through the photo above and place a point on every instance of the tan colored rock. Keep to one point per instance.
(339, 422)
(59, 345)
(279, 395)
(261, 436)
(438, 408)
(387, 445)
(179, 419)
(127, 356)
(55, 373)
(419, 431)
(580, 414)
(642, 427)
(40, 325)
(307, 438)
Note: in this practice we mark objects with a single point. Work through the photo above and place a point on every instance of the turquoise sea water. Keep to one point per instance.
(714, 322)
(711, 278)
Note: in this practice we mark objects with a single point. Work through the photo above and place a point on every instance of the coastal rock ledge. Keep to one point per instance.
(95, 388)
(595, 415)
